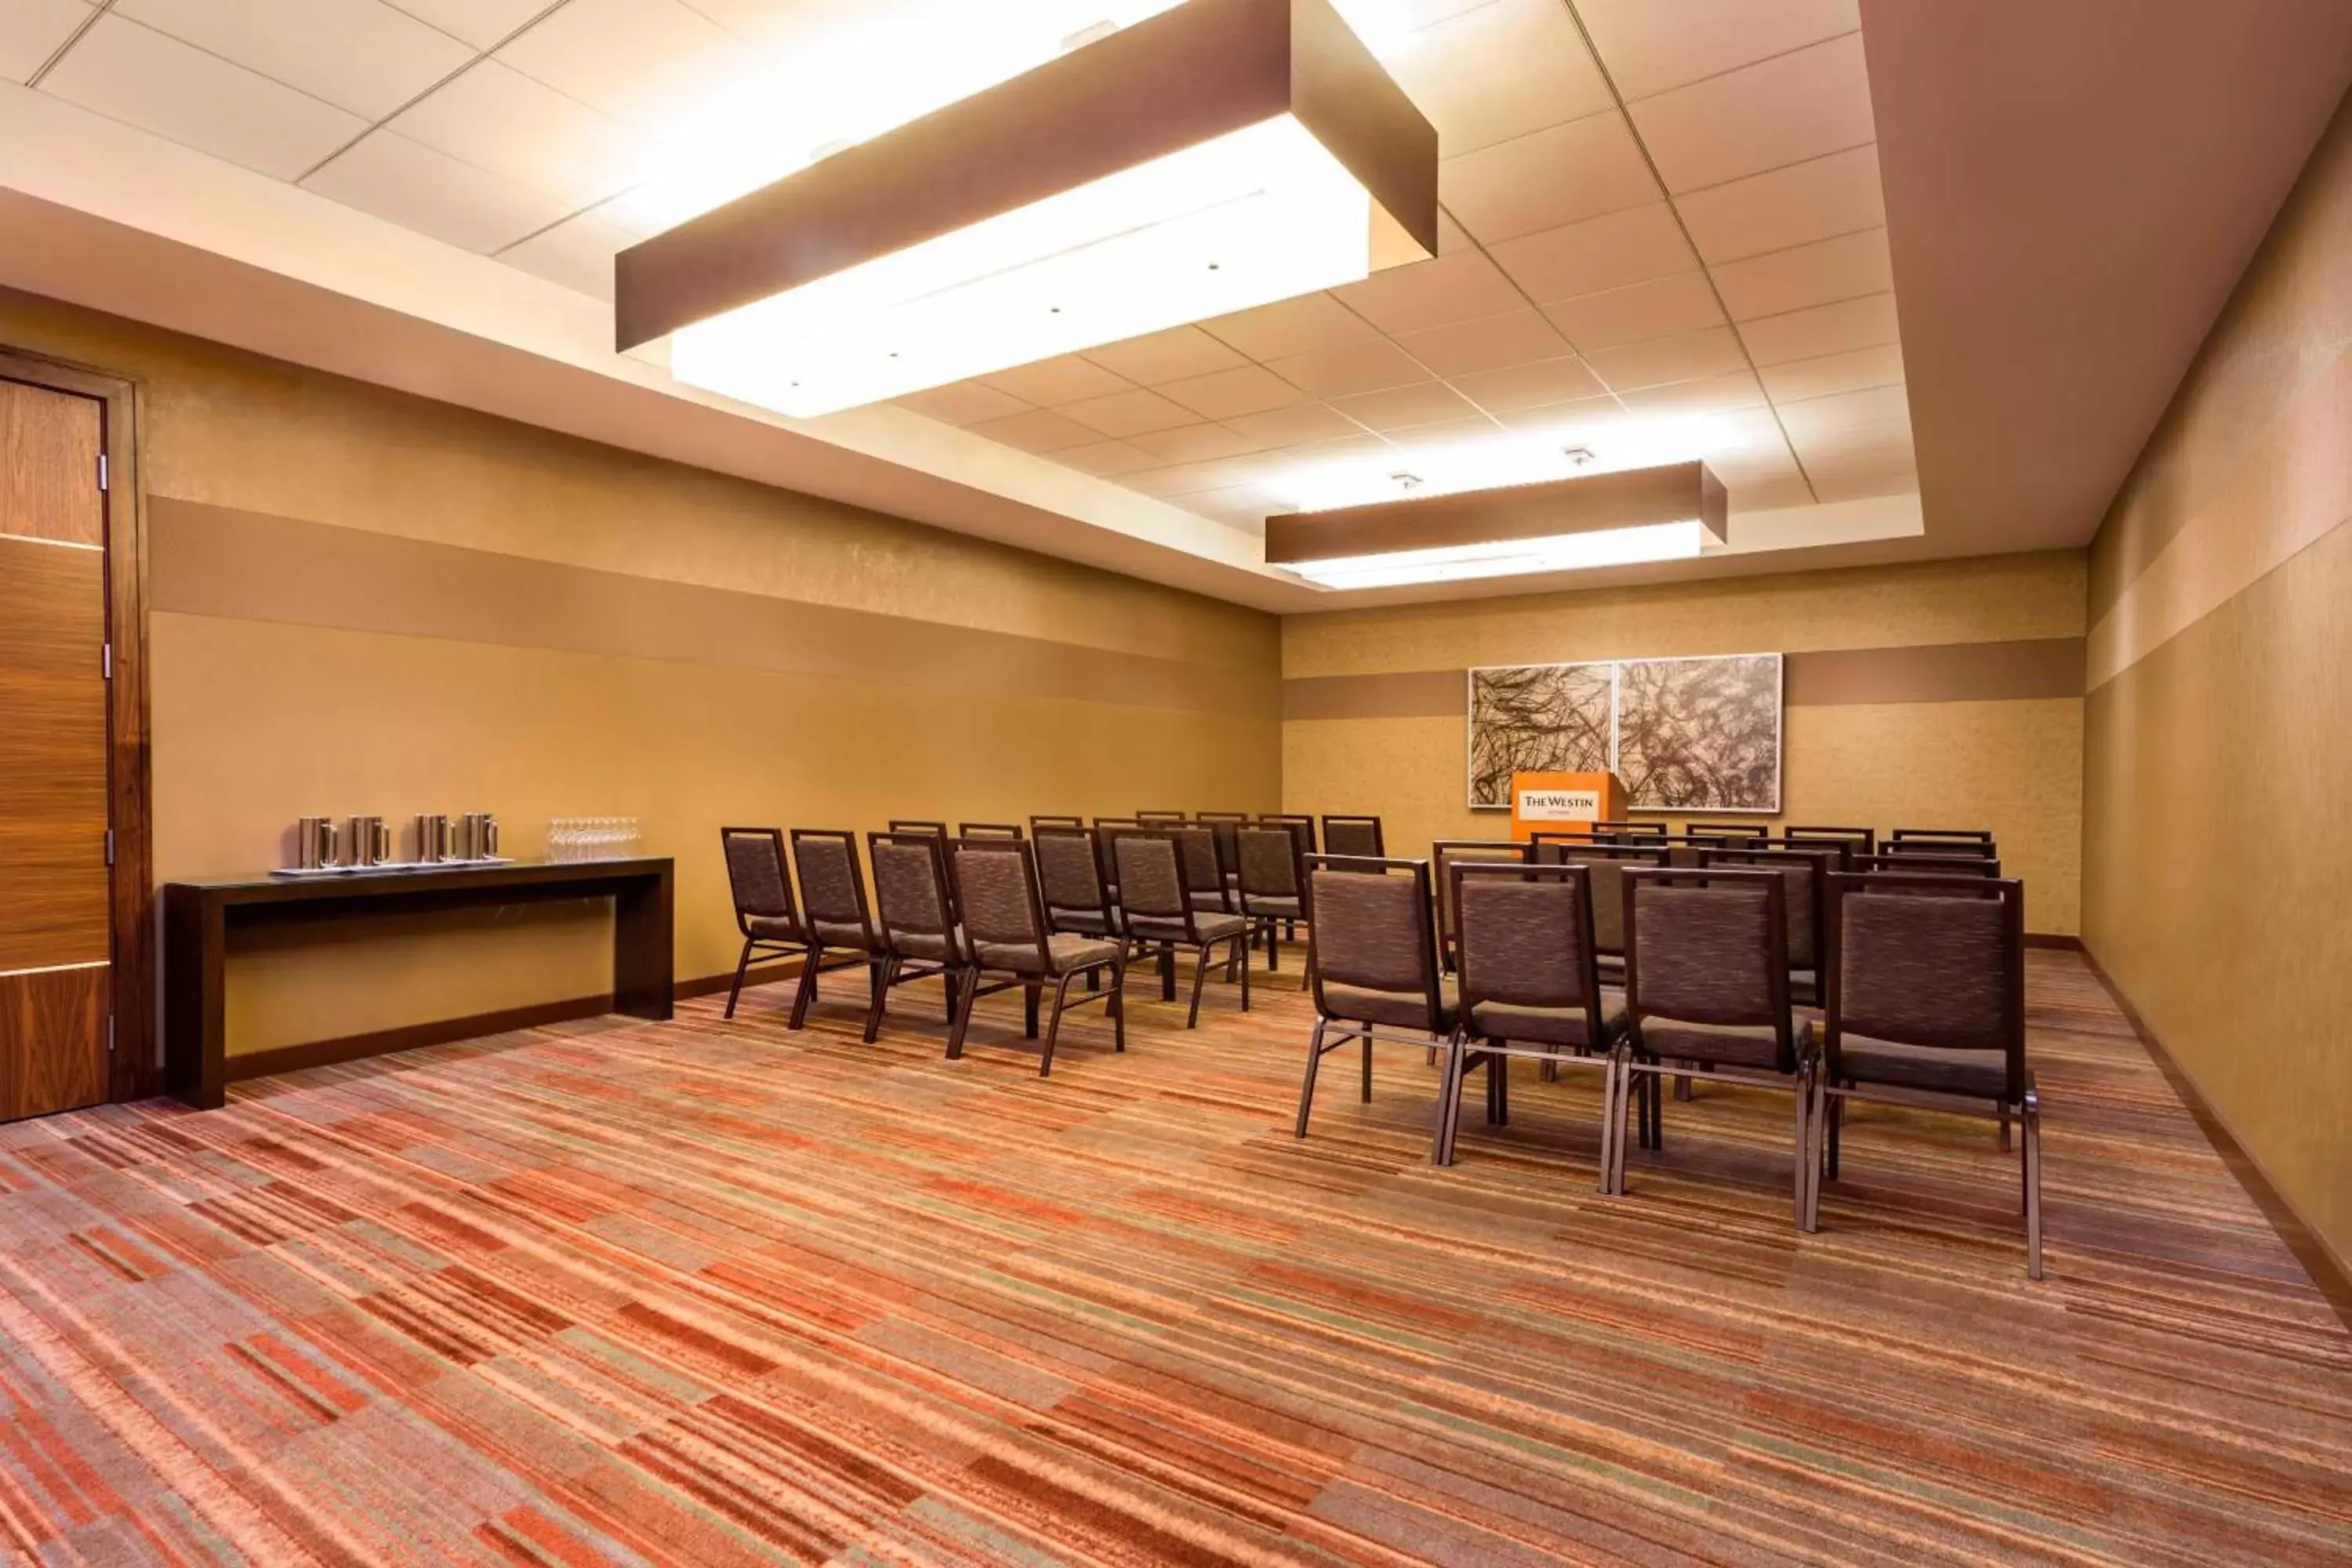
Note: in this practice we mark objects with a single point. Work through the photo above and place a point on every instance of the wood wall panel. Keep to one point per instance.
(53, 757)
(49, 443)
(53, 1040)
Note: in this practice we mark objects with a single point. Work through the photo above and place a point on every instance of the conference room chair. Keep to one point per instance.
(1007, 934)
(1069, 871)
(764, 911)
(1806, 874)
(1371, 957)
(1205, 870)
(1866, 837)
(1155, 900)
(1302, 828)
(916, 918)
(1608, 864)
(1352, 836)
(1038, 821)
(1929, 865)
(1842, 852)
(1707, 984)
(938, 830)
(1529, 987)
(832, 901)
(1226, 825)
(988, 830)
(1272, 884)
(1444, 854)
(1926, 1008)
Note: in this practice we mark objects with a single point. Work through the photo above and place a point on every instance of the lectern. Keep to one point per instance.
(1563, 803)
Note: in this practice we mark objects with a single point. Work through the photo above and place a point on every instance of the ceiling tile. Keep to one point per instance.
(1404, 405)
(1050, 383)
(1881, 473)
(1882, 414)
(1191, 479)
(1295, 425)
(965, 402)
(1453, 288)
(1125, 414)
(1796, 206)
(1038, 430)
(1713, 395)
(1392, 28)
(496, 118)
(1631, 247)
(1445, 433)
(1246, 389)
(1499, 71)
(1772, 493)
(1859, 323)
(411, 185)
(1681, 304)
(1494, 343)
(1852, 372)
(1802, 275)
(137, 75)
(31, 30)
(1783, 110)
(1107, 460)
(1350, 368)
(1290, 327)
(1166, 356)
(359, 54)
(1583, 422)
(577, 253)
(1563, 175)
(647, 62)
(484, 23)
(1686, 356)
(1530, 385)
(1650, 46)
(1194, 443)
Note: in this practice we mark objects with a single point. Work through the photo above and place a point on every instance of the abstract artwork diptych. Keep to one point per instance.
(1685, 734)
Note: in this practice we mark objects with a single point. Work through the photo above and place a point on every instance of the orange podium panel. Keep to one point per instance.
(1562, 802)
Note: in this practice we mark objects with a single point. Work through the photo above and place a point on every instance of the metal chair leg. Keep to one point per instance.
(2004, 1128)
(1368, 1068)
(742, 964)
(1449, 1092)
(1117, 1005)
(1200, 975)
(1499, 1089)
(2032, 1139)
(1613, 1120)
(1837, 1125)
(1054, 1027)
(1801, 1187)
(965, 1000)
(883, 974)
(806, 992)
(1314, 1061)
(1240, 958)
(1029, 1011)
(1168, 971)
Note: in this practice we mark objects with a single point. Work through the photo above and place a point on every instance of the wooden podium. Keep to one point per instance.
(1563, 803)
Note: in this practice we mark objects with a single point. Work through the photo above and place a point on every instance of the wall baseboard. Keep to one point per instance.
(2328, 1271)
(475, 1027)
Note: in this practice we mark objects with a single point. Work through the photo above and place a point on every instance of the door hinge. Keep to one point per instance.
(106, 661)
(102, 470)
(110, 847)
(110, 1031)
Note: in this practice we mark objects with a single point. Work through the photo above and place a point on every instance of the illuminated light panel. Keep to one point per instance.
(1510, 557)
(1261, 214)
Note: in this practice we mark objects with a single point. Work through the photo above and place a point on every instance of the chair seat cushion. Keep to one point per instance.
(1980, 1074)
(1263, 905)
(930, 946)
(1064, 951)
(1217, 928)
(1733, 1045)
(1549, 1026)
(1093, 922)
(773, 928)
(1404, 1009)
(1168, 928)
(838, 934)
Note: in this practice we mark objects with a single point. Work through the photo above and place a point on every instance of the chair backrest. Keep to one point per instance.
(989, 830)
(1371, 932)
(1352, 836)
(1940, 848)
(1620, 831)
(1047, 821)
(1204, 861)
(756, 876)
(1927, 865)
(1725, 830)
(1840, 851)
(910, 890)
(1070, 871)
(1118, 821)
(1865, 839)
(918, 825)
(1526, 936)
(1976, 834)
(1268, 860)
(1447, 853)
(1608, 864)
(1806, 872)
(833, 888)
(1710, 948)
(1928, 960)
(1157, 817)
(1300, 828)
(1151, 881)
(996, 888)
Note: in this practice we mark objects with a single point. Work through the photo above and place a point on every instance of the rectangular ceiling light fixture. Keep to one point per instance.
(1224, 155)
(1669, 513)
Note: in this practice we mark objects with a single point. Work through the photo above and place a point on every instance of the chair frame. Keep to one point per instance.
(1817, 895)
(916, 825)
(1867, 836)
(1984, 866)
(1268, 923)
(900, 969)
(1630, 1050)
(870, 954)
(1192, 937)
(1830, 1099)
(973, 989)
(989, 830)
(1302, 828)
(780, 946)
(1152, 818)
(1038, 821)
(1380, 842)
(1441, 872)
(1349, 1030)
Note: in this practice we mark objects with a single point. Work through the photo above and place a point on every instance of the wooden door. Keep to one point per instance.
(55, 930)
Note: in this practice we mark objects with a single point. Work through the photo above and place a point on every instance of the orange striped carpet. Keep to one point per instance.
(711, 1293)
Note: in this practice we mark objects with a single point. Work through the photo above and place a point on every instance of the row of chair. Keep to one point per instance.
(1922, 1002)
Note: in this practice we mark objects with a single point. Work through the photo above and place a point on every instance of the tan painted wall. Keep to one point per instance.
(2220, 720)
(294, 689)
(2012, 764)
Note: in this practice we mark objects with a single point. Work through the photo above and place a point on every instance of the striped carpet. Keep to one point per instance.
(711, 1293)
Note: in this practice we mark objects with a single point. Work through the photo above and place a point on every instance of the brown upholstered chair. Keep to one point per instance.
(1926, 1007)
(1373, 959)
(1706, 984)
(1447, 853)
(1272, 884)
(1156, 904)
(916, 917)
(1301, 828)
(1007, 934)
(1206, 871)
(1923, 865)
(1226, 825)
(1608, 863)
(1070, 871)
(832, 902)
(1865, 839)
(764, 911)
(1529, 987)
(988, 830)
(1807, 873)
(1352, 836)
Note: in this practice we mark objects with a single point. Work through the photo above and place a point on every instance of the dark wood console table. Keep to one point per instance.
(199, 916)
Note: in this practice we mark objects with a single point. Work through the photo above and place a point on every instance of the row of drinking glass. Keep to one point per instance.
(593, 838)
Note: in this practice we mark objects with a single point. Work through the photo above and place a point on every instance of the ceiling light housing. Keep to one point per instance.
(1221, 155)
(1673, 512)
